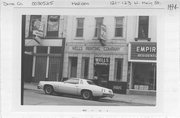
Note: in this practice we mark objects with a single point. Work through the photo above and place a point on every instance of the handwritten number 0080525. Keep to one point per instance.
(43, 3)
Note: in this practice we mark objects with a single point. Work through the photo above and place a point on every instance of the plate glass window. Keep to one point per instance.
(119, 26)
(118, 69)
(53, 26)
(80, 26)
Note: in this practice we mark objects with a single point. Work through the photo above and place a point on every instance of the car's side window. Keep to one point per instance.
(72, 81)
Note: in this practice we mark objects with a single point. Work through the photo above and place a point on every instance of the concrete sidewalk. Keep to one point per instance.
(140, 99)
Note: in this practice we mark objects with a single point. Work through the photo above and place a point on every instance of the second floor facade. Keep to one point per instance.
(85, 29)
(119, 29)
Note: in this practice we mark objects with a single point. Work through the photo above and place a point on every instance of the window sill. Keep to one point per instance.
(78, 38)
(142, 39)
(118, 38)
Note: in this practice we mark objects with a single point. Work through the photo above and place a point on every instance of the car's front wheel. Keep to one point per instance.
(86, 94)
(48, 89)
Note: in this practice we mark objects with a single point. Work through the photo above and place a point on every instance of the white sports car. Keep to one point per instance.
(76, 86)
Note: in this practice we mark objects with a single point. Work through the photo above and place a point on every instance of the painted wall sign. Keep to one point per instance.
(97, 48)
(143, 51)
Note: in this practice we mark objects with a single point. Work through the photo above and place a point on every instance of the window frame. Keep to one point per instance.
(48, 36)
(121, 26)
(79, 28)
(96, 26)
(138, 34)
(124, 28)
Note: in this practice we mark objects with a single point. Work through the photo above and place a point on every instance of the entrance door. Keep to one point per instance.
(54, 68)
(101, 70)
(40, 68)
(72, 67)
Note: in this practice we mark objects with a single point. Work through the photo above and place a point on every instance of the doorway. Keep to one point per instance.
(101, 70)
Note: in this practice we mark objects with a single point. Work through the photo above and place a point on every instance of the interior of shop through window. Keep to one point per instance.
(144, 76)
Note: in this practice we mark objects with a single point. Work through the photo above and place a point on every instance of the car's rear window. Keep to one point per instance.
(90, 82)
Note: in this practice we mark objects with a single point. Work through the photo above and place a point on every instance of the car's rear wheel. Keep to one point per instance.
(86, 94)
(48, 89)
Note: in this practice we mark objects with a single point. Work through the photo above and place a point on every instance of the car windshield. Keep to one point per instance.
(90, 82)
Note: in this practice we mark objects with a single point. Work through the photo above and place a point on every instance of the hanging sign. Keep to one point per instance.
(103, 33)
(38, 31)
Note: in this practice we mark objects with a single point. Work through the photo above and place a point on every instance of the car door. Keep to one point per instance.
(70, 86)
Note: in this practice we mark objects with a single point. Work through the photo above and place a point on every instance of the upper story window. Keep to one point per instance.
(119, 26)
(143, 27)
(52, 26)
(80, 27)
(33, 23)
(99, 22)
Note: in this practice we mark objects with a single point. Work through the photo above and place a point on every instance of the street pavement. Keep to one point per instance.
(33, 96)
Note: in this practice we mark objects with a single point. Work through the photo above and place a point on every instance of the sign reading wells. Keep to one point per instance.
(143, 51)
(101, 61)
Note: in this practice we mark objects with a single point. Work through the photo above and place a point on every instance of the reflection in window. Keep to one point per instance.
(53, 26)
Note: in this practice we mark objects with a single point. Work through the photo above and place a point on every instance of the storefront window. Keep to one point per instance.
(85, 67)
(118, 69)
(53, 26)
(80, 25)
(119, 27)
(99, 22)
(144, 76)
(73, 66)
(42, 49)
(33, 20)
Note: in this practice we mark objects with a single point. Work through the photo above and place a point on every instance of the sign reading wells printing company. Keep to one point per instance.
(101, 61)
(143, 51)
(98, 49)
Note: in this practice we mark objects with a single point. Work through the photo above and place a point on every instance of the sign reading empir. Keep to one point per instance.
(143, 51)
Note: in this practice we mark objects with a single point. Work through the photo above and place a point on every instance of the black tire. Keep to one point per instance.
(86, 94)
(48, 89)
